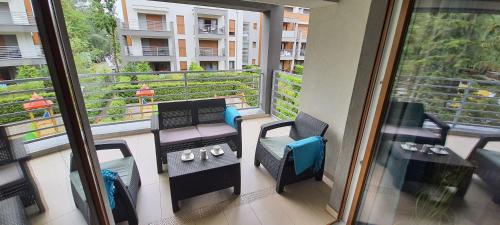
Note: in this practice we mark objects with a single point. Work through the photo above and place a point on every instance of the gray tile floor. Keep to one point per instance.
(302, 203)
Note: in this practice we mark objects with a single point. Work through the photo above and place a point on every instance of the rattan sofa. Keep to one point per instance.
(12, 212)
(127, 185)
(15, 176)
(190, 124)
(487, 164)
(277, 158)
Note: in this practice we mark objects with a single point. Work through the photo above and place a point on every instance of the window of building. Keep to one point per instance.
(232, 27)
(231, 65)
(254, 44)
(181, 29)
(232, 49)
(183, 65)
(182, 48)
(254, 62)
(255, 26)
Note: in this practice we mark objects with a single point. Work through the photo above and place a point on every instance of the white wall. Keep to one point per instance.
(335, 40)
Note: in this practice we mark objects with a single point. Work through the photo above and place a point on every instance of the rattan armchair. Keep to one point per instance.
(15, 176)
(127, 185)
(487, 164)
(277, 158)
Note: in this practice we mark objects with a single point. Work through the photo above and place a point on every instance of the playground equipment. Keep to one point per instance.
(145, 95)
(47, 124)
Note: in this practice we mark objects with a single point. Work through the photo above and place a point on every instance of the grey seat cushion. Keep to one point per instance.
(179, 135)
(12, 211)
(409, 131)
(493, 157)
(10, 173)
(124, 168)
(216, 130)
(276, 145)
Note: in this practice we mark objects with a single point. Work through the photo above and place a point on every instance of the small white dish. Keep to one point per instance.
(439, 151)
(216, 150)
(187, 155)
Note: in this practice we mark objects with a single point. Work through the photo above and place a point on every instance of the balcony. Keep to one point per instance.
(301, 53)
(288, 35)
(15, 56)
(147, 54)
(155, 51)
(147, 28)
(210, 31)
(210, 54)
(17, 22)
(286, 54)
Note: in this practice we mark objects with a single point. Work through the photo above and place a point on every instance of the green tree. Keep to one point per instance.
(24, 72)
(298, 69)
(103, 17)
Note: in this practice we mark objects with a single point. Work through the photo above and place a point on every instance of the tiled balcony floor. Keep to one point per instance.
(302, 203)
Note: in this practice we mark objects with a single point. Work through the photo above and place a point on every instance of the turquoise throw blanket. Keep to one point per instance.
(307, 152)
(109, 181)
(229, 115)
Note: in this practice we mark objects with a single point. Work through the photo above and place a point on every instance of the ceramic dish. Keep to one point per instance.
(187, 157)
(439, 151)
(409, 147)
(216, 151)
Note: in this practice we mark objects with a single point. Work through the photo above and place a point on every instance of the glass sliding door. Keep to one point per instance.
(435, 157)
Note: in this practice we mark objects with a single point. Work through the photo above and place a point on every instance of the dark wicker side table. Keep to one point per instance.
(12, 212)
(197, 177)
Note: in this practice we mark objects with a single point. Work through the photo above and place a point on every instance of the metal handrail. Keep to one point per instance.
(147, 25)
(15, 52)
(16, 18)
(286, 52)
(155, 51)
(190, 85)
(210, 29)
(204, 51)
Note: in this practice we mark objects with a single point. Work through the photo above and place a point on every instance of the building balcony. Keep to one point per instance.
(286, 54)
(301, 53)
(15, 56)
(288, 35)
(211, 54)
(210, 31)
(147, 28)
(11, 22)
(147, 54)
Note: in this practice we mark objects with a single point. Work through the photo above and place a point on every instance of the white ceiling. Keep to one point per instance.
(300, 3)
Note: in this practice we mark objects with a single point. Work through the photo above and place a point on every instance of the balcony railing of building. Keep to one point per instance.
(301, 52)
(285, 95)
(210, 29)
(286, 52)
(209, 51)
(14, 52)
(16, 18)
(111, 98)
(149, 25)
(155, 51)
(288, 34)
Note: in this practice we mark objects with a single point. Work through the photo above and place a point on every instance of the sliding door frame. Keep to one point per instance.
(55, 42)
(382, 102)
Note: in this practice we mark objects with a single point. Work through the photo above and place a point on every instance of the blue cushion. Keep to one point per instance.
(229, 115)
(307, 153)
(109, 182)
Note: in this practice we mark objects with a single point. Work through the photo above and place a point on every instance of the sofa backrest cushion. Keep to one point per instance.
(175, 114)
(209, 110)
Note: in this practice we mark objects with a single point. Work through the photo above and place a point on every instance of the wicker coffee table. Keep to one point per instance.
(197, 177)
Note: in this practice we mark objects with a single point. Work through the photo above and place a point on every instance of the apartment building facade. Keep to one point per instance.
(294, 37)
(172, 36)
(19, 41)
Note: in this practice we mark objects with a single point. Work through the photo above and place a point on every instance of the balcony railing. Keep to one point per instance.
(301, 52)
(210, 29)
(14, 52)
(16, 18)
(155, 51)
(149, 25)
(288, 34)
(209, 51)
(111, 98)
(285, 95)
(286, 52)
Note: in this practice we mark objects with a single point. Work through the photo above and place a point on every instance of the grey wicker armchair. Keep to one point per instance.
(487, 164)
(191, 124)
(15, 176)
(405, 122)
(12, 212)
(127, 185)
(276, 157)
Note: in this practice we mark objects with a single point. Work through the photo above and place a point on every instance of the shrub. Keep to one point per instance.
(24, 72)
(115, 110)
(195, 67)
(251, 67)
(298, 69)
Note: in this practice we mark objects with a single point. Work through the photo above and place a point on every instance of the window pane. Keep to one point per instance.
(447, 77)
